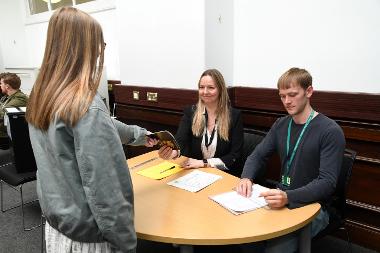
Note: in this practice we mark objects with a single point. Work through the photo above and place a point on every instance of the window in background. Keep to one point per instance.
(37, 6)
(82, 1)
(40, 6)
(61, 3)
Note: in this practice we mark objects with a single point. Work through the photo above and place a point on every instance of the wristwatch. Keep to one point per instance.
(205, 163)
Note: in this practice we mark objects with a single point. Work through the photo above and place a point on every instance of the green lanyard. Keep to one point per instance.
(285, 178)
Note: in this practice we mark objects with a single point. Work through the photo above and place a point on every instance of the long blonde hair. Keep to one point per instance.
(71, 69)
(223, 108)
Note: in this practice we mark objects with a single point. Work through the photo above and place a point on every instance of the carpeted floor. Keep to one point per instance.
(12, 237)
(14, 240)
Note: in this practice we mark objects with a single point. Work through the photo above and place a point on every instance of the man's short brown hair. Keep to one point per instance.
(12, 80)
(3, 74)
(295, 76)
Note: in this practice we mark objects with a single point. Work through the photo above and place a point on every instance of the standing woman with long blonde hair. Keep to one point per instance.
(210, 132)
(83, 183)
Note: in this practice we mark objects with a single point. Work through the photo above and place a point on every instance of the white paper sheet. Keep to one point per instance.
(11, 110)
(195, 181)
(238, 204)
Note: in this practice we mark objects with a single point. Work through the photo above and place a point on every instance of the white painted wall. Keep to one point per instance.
(170, 43)
(14, 49)
(109, 24)
(13, 42)
(336, 40)
(23, 42)
(219, 37)
(1, 61)
(36, 36)
(162, 43)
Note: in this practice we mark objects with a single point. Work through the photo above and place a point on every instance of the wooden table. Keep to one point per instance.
(168, 214)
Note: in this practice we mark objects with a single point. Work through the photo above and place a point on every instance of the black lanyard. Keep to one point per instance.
(208, 143)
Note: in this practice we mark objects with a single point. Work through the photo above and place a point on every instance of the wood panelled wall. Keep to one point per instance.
(357, 114)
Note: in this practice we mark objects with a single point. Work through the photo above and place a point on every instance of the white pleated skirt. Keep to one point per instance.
(56, 242)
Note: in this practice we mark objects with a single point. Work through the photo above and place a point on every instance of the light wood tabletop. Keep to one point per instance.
(168, 214)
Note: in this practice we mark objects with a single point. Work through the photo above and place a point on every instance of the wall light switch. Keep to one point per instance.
(152, 96)
(136, 95)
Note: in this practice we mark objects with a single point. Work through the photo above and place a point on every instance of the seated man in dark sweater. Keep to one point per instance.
(310, 146)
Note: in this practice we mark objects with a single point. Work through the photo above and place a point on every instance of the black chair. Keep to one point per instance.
(338, 204)
(21, 166)
(251, 140)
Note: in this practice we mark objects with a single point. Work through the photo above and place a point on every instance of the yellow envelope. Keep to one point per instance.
(161, 170)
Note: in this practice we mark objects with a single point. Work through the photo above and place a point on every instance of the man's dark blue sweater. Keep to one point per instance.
(316, 164)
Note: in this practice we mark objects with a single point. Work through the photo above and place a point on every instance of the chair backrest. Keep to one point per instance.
(339, 198)
(22, 148)
(250, 143)
(251, 140)
(337, 207)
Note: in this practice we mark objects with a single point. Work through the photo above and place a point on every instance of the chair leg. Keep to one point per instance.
(22, 205)
(23, 215)
(349, 245)
(42, 233)
(2, 197)
(1, 192)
